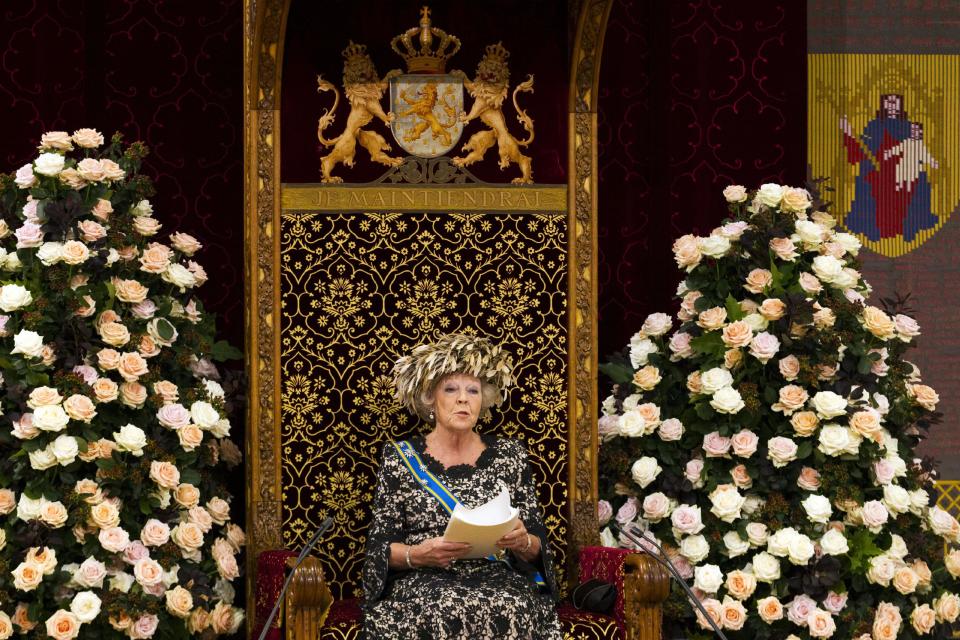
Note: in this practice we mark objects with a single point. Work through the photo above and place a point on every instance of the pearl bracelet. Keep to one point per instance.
(409, 564)
(529, 541)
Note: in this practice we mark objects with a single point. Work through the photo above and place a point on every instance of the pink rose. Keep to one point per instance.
(656, 506)
(789, 368)
(874, 515)
(800, 609)
(764, 346)
(688, 306)
(25, 177)
(607, 426)
(144, 627)
(715, 445)
(810, 283)
(88, 373)
(686, 519)
(906, 326)
(680, 346)
(628, 511)
(114, 539)
(744, 443)
(29, 235)
(134, 552)
(604, 512)
(741, 477)
(835, 602)
(173, 416)
(784, 249)
(809, 479)
(883, 471)
(880, 367)
(693, 470)
(781, 451)
(670, 430)
(144, 309)
(90, 574)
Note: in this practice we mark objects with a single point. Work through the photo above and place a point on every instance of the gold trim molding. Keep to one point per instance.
(470, 197)
(264, 29)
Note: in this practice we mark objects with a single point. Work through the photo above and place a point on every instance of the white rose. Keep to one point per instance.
(810, 233)
(766, 567)
(834, 543)
(130, 438)
(727, 502)
(204, 415)
(827, 268)
(714, 246)
(779, 543)
(214, 390)
(29, 343)
(48, 164)
(898, 547)
(834, 439)
(86, 606)
(736, 546)
(708, 578)
(757, 534)
(65, 448)
(756, 322)
(850, 243)
(645, 470)
(715, 379)
(801, 550)
(752, 504)
(694, 548)
(609, 406)
(14, 296)
(818, 508)
(29, 509)
(121, 582)
(222, 428)
(50, 253)
(770, 194)
(881, 570)
(735, 193)
(919, 500)
(727, 400)
(632, 424)
(829, 405)
(896, 499)
(50, 417)
(640, 349)
(42, 459)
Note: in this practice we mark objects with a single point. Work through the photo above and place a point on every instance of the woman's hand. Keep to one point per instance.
(437, 552)
(520, 542)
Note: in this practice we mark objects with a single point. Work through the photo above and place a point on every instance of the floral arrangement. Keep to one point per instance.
(767, 442)
(113, 424)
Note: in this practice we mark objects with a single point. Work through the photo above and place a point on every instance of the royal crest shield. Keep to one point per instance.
(426, 111)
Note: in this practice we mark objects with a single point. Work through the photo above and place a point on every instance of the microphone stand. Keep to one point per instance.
(326, 524)
(661, 558)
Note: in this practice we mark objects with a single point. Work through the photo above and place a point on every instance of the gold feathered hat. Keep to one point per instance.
(414, 374)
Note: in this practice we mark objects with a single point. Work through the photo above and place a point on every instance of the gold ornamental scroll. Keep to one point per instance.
(362, 282)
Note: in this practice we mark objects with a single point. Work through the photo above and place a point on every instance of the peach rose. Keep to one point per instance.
(114, 333)
(148, 347)
(105, 515)
(947, 607)
(744, 443)
(741, 585)
(688, 306)
(43, 396)
(130, 291)
(199, 620)
(219, 510)
(878, 323)
(48, 355)
(923, 619)
(712, 318)
(127, 253)
(905, 580)
(166, 390)
(820, 624)
(105, 390)
(188, 536)
(80, 407)
(185, 243)
(190, 436)
(925, 396)
(27, 576)
(102, 209)
(758, 280)
(148, 572)
(201, 517)
(647, 377)
(694, 385)
(770, 609)
(867, 424)
(154, 533)
(108, 359)
(773, 309)
(792, 398)
(133, 394)
(789, 367)
(155, 258)
(21, 618)
(89, 491)
(53, 514)
(227, 566)
(74, 252)
(732, 358)
(58, 140)
(146, 226)
(737, 334)
(235, 536)
(686, 252)
(186, 495)
(198, 272)
(91, 231)
(144, 626)
(733, 614)
(63, 625)
(88, 308)
(714, 609)
(924, 575)
(165, 474)
(804, 423)
(784, 249)
(809, 479)
(8, 501)
(132, 366)
(179, 602)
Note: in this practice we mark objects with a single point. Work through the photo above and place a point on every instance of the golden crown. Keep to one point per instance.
(426, 58)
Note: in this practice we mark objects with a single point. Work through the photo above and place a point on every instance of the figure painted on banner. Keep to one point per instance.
(417, 584)
(890, 200)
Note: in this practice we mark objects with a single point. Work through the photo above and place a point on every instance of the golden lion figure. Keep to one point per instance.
(489, 90)
(422, 107)
(364, 90)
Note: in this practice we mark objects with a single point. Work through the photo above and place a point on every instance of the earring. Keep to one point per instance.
(431, 416)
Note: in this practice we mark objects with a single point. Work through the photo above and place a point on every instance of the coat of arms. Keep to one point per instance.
(427, 114)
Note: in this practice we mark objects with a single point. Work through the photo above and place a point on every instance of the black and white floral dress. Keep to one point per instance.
(475, 599)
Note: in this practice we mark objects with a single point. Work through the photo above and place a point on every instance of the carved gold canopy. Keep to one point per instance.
(265, 26)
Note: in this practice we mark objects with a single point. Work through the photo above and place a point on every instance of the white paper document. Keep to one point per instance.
(482, 526)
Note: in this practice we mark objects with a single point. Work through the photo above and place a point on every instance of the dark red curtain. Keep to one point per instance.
(168, 72)
(693, 96)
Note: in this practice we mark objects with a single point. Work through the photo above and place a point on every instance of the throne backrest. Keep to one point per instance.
(357, 290)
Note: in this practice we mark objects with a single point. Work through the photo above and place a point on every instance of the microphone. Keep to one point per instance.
(662, 558)
(326, 524)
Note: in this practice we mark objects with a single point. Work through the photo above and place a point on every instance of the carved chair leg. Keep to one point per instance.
(307, 602)
(645, 585)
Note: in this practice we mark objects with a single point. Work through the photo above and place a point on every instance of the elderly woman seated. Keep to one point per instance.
(417, 584)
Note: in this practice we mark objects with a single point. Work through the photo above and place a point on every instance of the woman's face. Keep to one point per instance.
(457, 402)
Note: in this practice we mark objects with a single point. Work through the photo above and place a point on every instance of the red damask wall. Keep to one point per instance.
(693, 96)
(168, 72)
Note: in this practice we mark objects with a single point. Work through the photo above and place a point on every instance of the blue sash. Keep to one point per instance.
(435, 488)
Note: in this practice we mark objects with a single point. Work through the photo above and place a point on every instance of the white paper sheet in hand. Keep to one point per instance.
(482, 526)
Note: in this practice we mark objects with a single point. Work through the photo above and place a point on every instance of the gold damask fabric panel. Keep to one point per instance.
(360, 289)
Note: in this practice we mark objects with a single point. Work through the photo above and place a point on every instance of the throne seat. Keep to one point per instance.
(310, 613)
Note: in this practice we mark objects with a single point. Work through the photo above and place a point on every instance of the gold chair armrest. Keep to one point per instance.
(645, 586)
(307, 602)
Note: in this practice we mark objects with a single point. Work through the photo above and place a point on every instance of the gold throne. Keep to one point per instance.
(343, 279)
